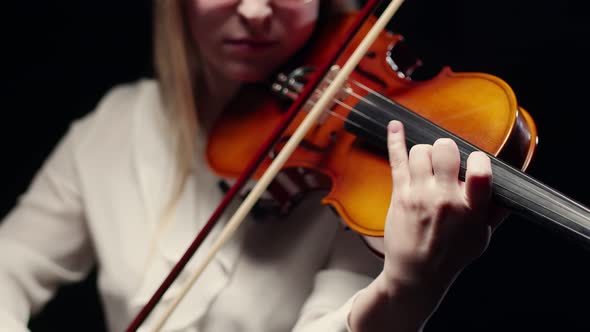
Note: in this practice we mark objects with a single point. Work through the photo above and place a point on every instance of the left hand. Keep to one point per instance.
(436, 224)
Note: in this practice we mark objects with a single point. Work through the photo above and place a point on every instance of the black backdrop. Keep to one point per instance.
(60, 57)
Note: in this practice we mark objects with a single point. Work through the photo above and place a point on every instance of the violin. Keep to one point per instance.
(346, 154)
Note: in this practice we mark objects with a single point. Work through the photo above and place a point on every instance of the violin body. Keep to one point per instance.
(478, 107)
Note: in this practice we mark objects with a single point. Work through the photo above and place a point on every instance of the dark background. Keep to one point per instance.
(59, 58)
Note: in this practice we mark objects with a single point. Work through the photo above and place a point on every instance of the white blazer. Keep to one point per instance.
(99, 199)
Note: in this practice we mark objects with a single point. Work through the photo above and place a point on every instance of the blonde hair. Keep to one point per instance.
(176, 66)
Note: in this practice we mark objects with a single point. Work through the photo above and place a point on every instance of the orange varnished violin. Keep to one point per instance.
(347, 145)
(343, 149)
(480, 111)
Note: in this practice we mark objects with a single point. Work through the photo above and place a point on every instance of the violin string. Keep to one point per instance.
(362, 86)
(356, 111)
(352, 109)
(367, 101)
(367, 89)
(341, 117)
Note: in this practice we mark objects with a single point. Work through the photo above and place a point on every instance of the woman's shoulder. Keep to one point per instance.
(117, 109)
(123, 99)
(131, 91)
(128, 113)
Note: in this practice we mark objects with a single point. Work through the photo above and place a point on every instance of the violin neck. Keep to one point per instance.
(539, 203)
(512, 188)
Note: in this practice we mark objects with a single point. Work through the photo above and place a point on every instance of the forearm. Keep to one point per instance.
(393, 305)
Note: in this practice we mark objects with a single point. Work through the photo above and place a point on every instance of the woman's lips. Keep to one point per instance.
(249, 46)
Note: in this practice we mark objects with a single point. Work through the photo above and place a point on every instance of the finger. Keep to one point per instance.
(398, 153)
(420, 163)
(478, 180)
(445, 162)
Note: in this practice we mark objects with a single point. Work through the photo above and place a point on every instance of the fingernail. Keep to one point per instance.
(394, 126)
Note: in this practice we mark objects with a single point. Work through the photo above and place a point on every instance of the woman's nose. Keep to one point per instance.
(255, 13)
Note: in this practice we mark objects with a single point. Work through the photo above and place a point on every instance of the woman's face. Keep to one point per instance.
(246, 40)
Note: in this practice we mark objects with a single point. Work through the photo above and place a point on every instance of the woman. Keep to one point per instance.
(127, 188)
